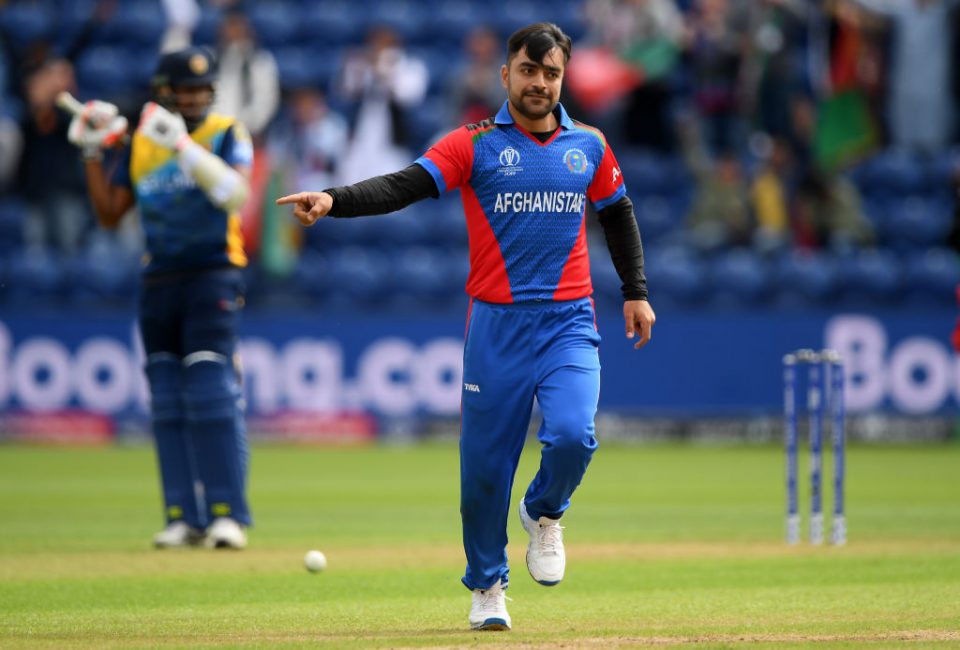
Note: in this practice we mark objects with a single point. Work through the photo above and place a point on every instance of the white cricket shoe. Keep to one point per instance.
(489, 610)
(546, 559)
(226, 533)
(178, 534)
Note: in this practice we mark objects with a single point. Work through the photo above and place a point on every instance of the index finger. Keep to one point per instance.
(290, 198)
(644, 328)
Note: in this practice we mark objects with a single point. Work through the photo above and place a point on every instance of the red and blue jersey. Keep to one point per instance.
(525, 204)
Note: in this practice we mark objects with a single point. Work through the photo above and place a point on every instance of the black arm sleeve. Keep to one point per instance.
(623, 239)
(382, 194)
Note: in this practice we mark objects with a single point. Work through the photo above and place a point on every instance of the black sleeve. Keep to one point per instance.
(382, 194)
(623, 239)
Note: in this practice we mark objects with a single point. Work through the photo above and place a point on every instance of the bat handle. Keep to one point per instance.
(69, 103)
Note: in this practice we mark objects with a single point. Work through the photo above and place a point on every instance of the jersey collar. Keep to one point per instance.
(504, 117)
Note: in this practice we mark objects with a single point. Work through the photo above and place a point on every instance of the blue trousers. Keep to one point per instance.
(188, 323)
(513, 354)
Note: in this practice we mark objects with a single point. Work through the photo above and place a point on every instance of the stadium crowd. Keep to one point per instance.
(780, 153)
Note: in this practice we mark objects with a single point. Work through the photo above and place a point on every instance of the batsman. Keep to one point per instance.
(525, 176)
(186, 170)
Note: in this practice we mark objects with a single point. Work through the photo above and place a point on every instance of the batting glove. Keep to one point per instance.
(163, 127)
(96, 127)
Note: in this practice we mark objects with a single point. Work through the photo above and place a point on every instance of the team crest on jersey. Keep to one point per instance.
(575, 160)
(510, 162)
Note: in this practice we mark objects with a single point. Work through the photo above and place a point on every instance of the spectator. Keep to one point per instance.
(847, 82)
(310, 138)
(11, 140)
(182, 16)
(773, 83)
(920, 110)
(11, 144)
(249, 86)
(385, 81)
(647, 34)
(50, 176)
(715, 51)
(828, 214)
(770, 194)
(476, 91)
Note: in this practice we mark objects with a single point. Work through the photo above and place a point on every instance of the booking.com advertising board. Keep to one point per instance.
(334, 375)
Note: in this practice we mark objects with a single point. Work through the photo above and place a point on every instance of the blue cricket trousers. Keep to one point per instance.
(189, 327)
(513, 354)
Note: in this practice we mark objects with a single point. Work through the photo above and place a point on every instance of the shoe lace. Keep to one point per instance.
(492, 600)
(551, 538)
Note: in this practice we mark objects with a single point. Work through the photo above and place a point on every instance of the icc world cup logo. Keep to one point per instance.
(509, 157)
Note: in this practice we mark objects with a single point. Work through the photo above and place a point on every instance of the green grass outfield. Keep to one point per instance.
(666, 546)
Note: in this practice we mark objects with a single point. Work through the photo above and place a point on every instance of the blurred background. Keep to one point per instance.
(793, 165)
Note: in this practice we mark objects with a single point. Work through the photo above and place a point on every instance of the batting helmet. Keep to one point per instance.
(193, 66)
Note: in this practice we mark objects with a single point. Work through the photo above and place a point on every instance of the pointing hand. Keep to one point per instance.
(308, 207)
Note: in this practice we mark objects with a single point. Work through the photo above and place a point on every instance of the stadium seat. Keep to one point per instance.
(875, 209)
(933, 276)
(519, 13)
(135, 22)
(645, 172)
(889, 172)
(938, 172)
(104, 70)
(337, 22)
(606, 282)
(403, 228)
(571, 17)
(104, 273)
(407, 17)
(458, 270)
(451, 21)
(299, 66)
(443, 66)
(447, 225)
(918, 221)
(141, 64)
(11, 225)
(33, 276)
(807, 278)
(428, 122)
(657, 215)
(740, 277)
(205, 31)
(359, 277)
(23, 23)
(312, 273)
(678, 274)
(275, 22)
(420, 278)
(329, 234)
(871, 276)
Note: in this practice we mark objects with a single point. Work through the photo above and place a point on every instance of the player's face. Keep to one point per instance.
(534, 88)
(192, 102)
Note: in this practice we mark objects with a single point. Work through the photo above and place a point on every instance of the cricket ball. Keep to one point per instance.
(315, 561)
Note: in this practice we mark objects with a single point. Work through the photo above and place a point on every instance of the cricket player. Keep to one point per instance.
(525, 177)
(186, 170)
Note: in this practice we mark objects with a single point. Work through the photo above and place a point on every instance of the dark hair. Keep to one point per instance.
(539, 38)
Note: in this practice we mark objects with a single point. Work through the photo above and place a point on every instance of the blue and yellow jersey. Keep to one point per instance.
(184, 229)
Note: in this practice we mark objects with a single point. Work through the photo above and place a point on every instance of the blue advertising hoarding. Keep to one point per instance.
(697, 364)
